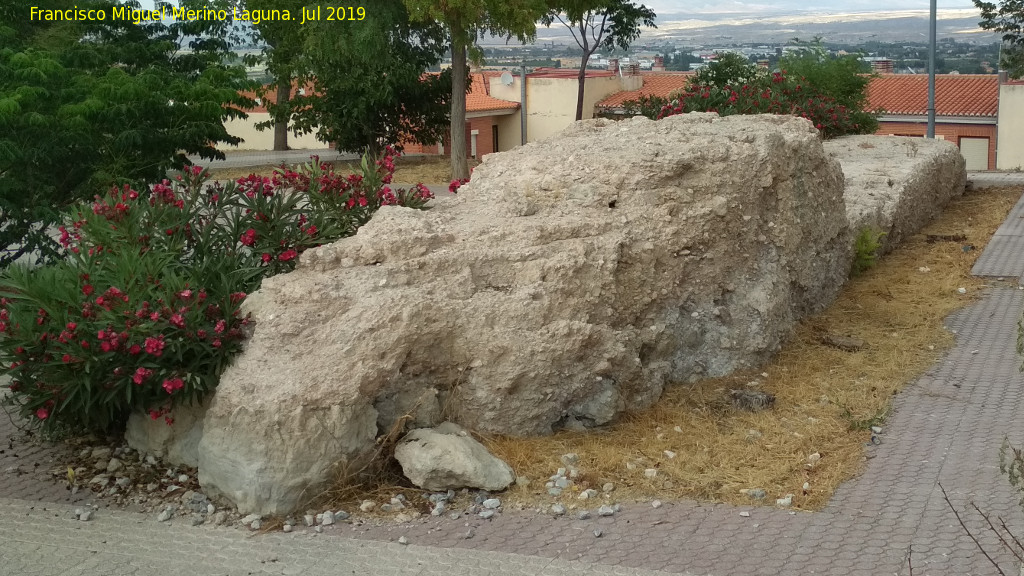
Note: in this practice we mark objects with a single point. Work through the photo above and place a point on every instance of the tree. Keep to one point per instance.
(597, 24)
(465, 20)
(89, 103)
(1006, 17)
(370, 87)
(283, 54)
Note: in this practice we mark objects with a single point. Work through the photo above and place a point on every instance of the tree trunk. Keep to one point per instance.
(284, 94)
(460, 167)
(582, 77)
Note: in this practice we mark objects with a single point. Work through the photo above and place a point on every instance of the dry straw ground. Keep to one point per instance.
(827, 399)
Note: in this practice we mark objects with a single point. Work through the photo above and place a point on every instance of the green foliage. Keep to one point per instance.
(732, 86)
(842, 78)
(93, 103)
(729, 69)
(141, 311)
(865, 250)
(370, 86)
(647, 105)
(1006, 17)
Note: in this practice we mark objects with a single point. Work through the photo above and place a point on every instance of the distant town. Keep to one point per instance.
(953, 56)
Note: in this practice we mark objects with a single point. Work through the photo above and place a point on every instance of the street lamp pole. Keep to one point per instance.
(931, 70)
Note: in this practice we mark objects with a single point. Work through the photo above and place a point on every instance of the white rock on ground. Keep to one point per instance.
(447, 458)
(569, 281)
(897, 185)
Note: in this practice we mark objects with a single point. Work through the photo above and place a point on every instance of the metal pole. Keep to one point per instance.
(931, 71)
(522, 103)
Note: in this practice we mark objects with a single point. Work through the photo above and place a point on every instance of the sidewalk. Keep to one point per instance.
(946, 428)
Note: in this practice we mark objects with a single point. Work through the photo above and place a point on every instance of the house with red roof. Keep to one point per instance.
(490, 122)
(966, 111)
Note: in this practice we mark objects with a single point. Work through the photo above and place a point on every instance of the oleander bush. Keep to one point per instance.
(141, 312)
(731, 86)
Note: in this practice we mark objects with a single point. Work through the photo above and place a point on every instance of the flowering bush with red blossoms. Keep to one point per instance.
(774, 93)
(142, 312)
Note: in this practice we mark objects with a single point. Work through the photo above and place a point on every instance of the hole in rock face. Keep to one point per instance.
(611, 204)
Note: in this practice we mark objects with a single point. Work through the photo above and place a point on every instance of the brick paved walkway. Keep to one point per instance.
(945, 428)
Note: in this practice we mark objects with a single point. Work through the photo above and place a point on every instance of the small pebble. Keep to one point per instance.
(488, 513)
(745, 514)
(651, 472)
(583, 515)
(605, 511)
(669, 454)
(598, 533)
(608, 487)
(165, 515)
(256, 524)
(492, 503)
(309, 519)
(557, 509)
(183, 478)
(403, 540)
(367, 505)
(656, 504)
(785, 502)
(287, 528)
(587, 494)
(962, 290)
(469, 534)
(85, 515)
(197, 519)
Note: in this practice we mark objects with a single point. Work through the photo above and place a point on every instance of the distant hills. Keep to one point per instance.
(734, 22)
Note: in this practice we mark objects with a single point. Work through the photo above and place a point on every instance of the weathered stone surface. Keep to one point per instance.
(448, 458)
(572, 279)
(177, 443)
(896, 185)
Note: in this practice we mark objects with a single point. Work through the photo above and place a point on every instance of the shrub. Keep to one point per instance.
(776, 94)
(865, 250)
(731, 85)
(142, 310)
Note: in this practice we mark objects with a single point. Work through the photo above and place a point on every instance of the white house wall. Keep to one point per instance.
(1010, 139)
(254, 139)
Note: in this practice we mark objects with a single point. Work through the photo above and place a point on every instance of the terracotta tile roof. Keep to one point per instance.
(655, 84)
(955, 94)
(479, 99)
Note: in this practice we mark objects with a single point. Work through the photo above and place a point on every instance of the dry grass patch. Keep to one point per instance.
(408, 170)
(826, 398)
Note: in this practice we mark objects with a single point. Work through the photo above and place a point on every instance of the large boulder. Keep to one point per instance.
(571, 280)
(896, 185)
(448, 458)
